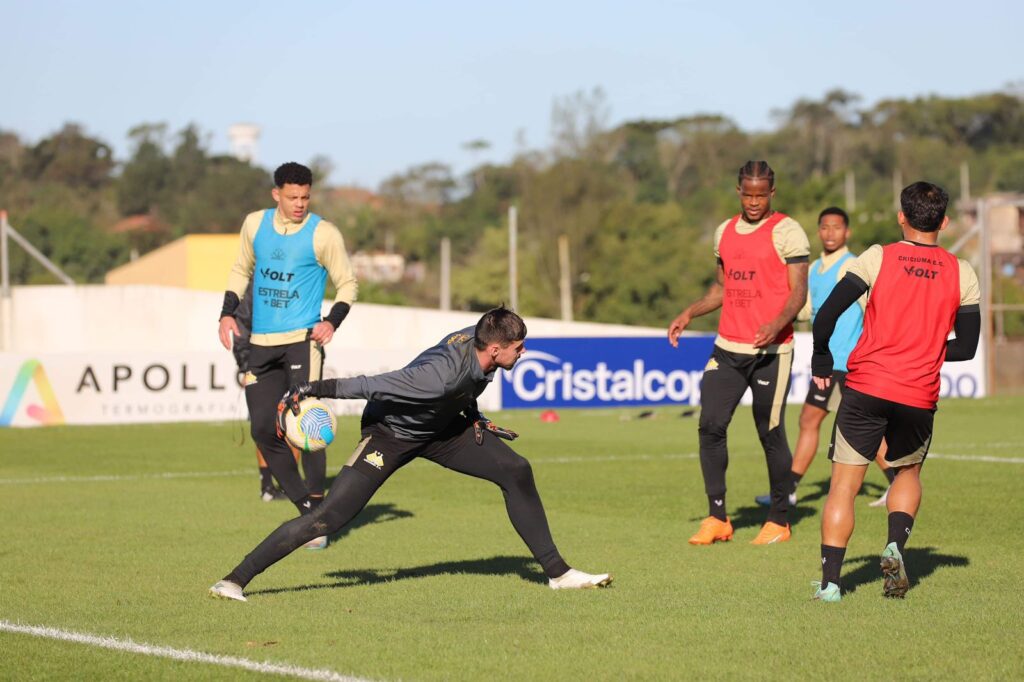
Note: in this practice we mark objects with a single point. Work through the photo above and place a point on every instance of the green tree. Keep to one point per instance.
(145, 176)
(648, 262)
(70, 157)
(83, 250)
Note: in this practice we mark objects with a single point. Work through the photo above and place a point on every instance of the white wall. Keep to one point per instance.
(61, 319)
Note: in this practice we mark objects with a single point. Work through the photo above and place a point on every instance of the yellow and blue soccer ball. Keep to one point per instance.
(313, 428)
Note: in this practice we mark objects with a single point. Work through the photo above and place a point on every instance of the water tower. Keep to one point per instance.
(244, 141)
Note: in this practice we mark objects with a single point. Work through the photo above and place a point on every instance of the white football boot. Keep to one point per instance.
(578, 580)
(225, 589)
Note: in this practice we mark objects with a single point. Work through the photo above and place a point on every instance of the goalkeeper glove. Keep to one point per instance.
(290, 401)
(484, 423)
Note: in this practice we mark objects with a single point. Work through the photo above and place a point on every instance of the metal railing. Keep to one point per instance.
(6, 314)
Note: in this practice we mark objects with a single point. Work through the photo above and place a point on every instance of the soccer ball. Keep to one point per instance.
(313, 428)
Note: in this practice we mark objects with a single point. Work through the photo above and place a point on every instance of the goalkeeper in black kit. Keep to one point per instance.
(427, 409)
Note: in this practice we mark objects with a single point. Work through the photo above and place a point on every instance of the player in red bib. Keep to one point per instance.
(917, 294)
(762, 285)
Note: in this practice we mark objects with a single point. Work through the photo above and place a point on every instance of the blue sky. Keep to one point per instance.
(380, 86)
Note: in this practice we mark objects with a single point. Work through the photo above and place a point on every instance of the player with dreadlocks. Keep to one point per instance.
(761, 286)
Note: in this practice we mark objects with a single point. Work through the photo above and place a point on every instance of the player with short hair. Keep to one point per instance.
(823, 275)
(917, 294)
(761, 286)
(289, 253)
(427, 409)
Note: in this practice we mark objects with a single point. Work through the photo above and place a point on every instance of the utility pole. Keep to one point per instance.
(897, 187)
(513, 272)
(5, 274)
(446, 274)
(965, 182)
(5, 287)
(986, 293)
(851, 191)
(564, 279)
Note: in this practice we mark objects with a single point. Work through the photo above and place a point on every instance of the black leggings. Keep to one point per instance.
(725, 380)
(379, 455)
(272, 370)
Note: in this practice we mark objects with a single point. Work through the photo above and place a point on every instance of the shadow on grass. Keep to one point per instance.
(523, 567)
(921, 562)
(808, 492)
(756, 515)
(372, 513)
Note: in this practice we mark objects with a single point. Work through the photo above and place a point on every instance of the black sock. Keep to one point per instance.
(900, 525)
(266, 480)
(305, 505)
(831, 564)
(716, 506)
(890, 474)
(231, 577)
(556, 569)
(794, 481)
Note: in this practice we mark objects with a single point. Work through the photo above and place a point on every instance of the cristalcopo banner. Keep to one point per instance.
(606, 372)
(628, 371)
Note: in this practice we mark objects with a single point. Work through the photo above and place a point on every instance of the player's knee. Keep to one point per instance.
(326, 520)
(261, 432)
(517, 471)
(711, 426)
(768, 435)
(811, 420)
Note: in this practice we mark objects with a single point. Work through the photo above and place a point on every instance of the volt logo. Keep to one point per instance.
(46, 414)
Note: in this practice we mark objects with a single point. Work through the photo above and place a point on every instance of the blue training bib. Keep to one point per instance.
(288, 286)
(850, 323)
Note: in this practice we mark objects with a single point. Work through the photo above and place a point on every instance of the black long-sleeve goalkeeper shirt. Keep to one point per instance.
(420, 400)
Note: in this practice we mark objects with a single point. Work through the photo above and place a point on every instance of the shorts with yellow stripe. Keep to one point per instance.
(864, 420)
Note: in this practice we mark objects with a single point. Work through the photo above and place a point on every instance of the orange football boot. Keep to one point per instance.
(771, 533)
(712, 530)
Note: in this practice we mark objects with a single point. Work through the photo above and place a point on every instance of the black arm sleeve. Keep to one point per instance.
(243, 313)
(338, 313)
(420, 383)
(230, 304)
(846, 292)
(967, 327)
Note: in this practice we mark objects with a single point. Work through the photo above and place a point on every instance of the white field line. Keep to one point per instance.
(580, 459)
(611, 458)
(1001, 444)
(977, 458)
(187, 655)
(127, 477)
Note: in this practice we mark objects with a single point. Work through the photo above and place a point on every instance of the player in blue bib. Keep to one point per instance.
(289, 253)
(824, 274)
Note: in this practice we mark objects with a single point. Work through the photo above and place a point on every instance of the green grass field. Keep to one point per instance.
(119, 531)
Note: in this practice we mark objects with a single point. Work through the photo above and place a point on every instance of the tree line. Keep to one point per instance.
(638, 201)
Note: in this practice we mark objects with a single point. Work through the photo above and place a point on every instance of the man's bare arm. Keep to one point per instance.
(797, 273)
(709, 302)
